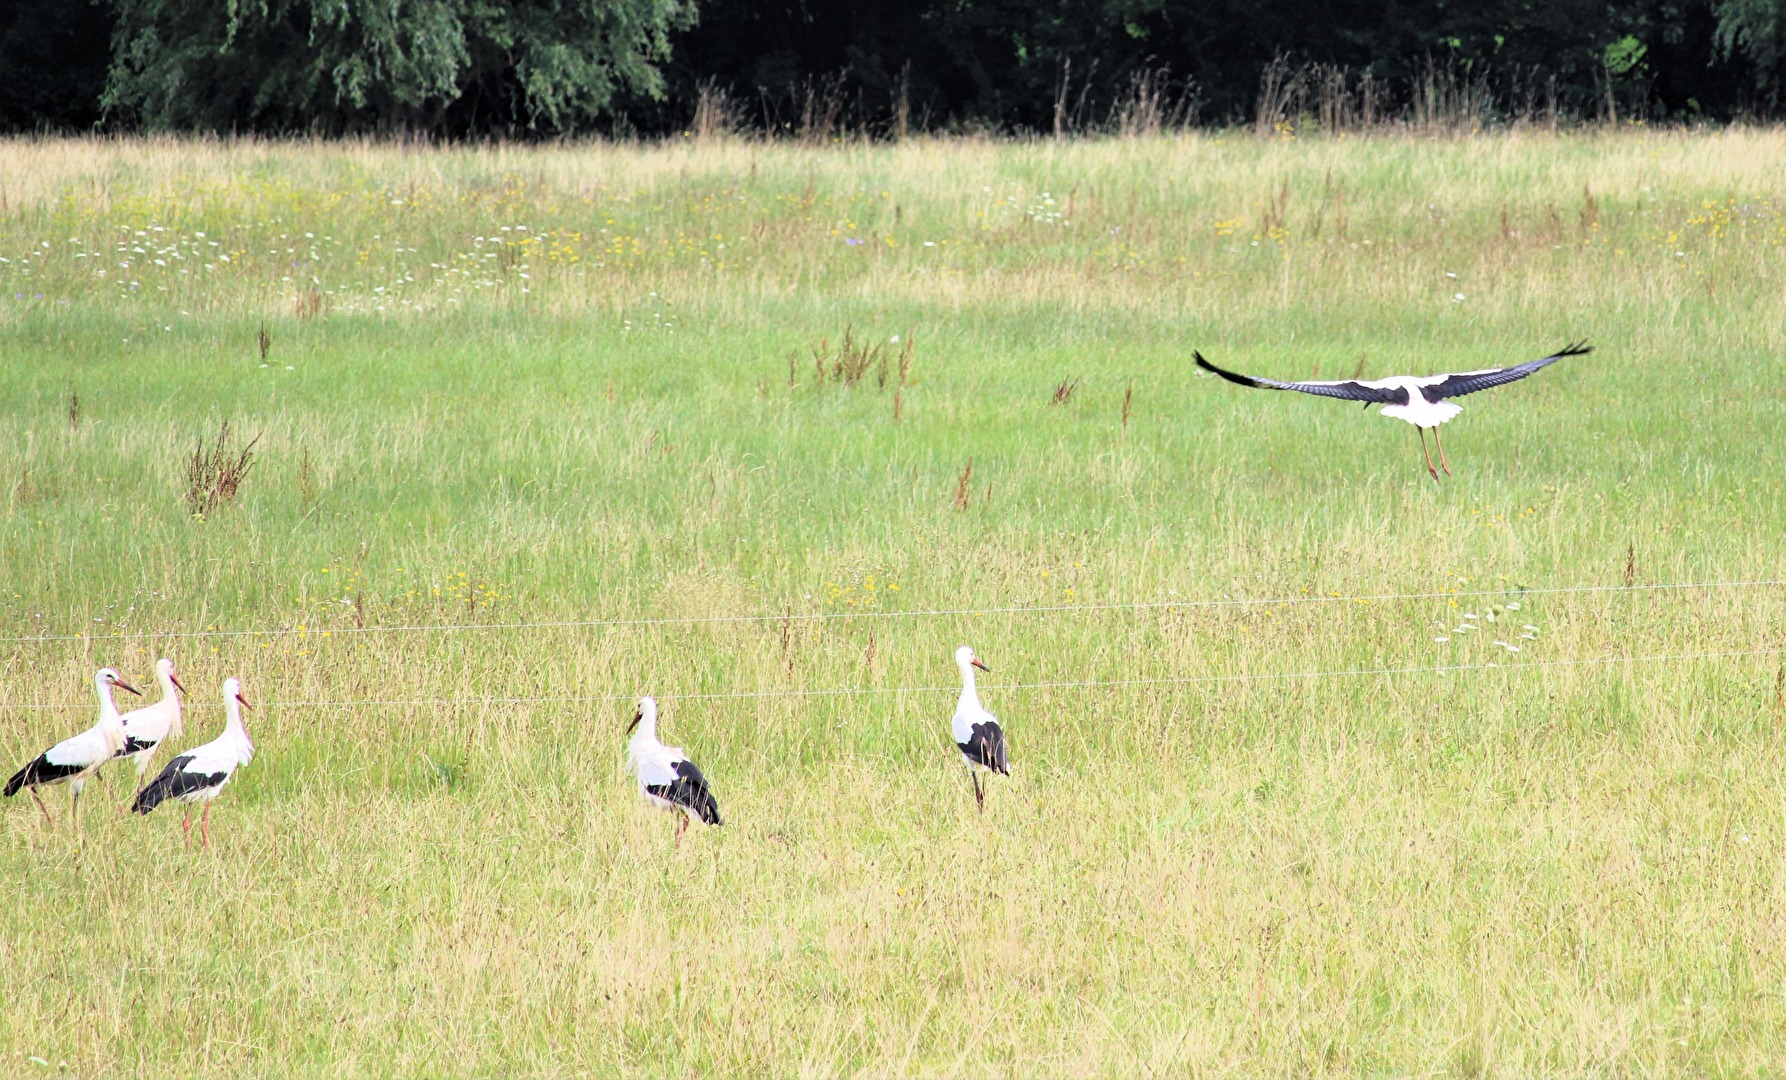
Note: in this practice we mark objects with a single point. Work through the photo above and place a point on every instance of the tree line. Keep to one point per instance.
(805, 68)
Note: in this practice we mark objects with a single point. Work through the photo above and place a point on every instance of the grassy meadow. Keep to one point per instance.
(604, 388)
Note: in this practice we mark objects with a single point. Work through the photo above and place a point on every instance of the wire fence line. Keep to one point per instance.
(1061, 684)
(919, 613)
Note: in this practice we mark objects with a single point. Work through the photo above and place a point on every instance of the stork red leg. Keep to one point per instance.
(1440, 443)
(979, 792)
(47, 819)
(1428, 453)
(204, 827)
(681, 827)
(186, 827)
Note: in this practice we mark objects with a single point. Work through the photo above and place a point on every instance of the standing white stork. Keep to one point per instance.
(145, 729)
(976, 731)
(74, 760)
(198, 775)
(667, 779)
(1418, 399)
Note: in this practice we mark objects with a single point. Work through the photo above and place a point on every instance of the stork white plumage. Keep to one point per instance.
(145, 729)
(73, 760)
(198, 775)
(667, 779)
(1421, 400)
(976, 731)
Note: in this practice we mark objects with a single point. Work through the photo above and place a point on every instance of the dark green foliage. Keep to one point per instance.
(1006, 62)
(1757, 30)
(469, 68)
(456, 66)
(52, 64)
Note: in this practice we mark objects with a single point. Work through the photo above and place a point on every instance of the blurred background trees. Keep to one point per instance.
(540, 68)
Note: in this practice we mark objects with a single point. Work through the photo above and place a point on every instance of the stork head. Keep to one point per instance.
(646, 713)
(232, 692)
(108, 677)
(164, 671)
(965, 658)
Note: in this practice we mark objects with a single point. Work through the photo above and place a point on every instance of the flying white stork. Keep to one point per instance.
(667, 779)
(145, 729)
(74, 760)
(976, 731)
(198, 775)
(1418, 399)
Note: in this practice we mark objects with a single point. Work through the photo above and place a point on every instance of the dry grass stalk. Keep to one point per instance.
(1282, 91)
(964, 486)
(1342, 105)
(1060, 98)
(787, 639)
(851, 361)
(1450, 102)
(1069, 119)
(306, 476)
(1128, 397)
(821, 107)
(265, 342)
(214, 476)
(716, 114)
(1063, 392)
(1780, 696)
(1147, 107)
(902, 104)
(1274, 214)
(74, 411)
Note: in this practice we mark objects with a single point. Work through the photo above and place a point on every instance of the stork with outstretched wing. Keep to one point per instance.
(1421, 400)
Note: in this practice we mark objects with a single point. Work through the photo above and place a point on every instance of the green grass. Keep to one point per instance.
(1555, 869)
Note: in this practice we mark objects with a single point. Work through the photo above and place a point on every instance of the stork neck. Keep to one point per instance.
(108, 709)
(166, 679)
(970, 694)
(232, 711)
(646, 732)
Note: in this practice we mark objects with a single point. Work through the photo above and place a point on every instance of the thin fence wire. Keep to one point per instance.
(922, 613)
(1062, 684)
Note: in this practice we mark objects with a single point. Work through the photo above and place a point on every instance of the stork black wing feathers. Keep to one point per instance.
(1347, 391)
(689, 791)
(1469, 383)
(174, 782)
(986, 746)
(39, 770)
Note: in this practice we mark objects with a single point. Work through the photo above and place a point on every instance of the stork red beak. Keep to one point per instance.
(982, 667)
(242, 701)
(175, 679)
(638, 716)
(122, 685)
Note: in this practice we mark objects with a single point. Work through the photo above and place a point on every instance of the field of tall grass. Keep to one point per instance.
(1319, 767)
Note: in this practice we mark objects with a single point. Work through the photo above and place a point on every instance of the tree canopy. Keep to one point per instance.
(384, 65)
(541, 68)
